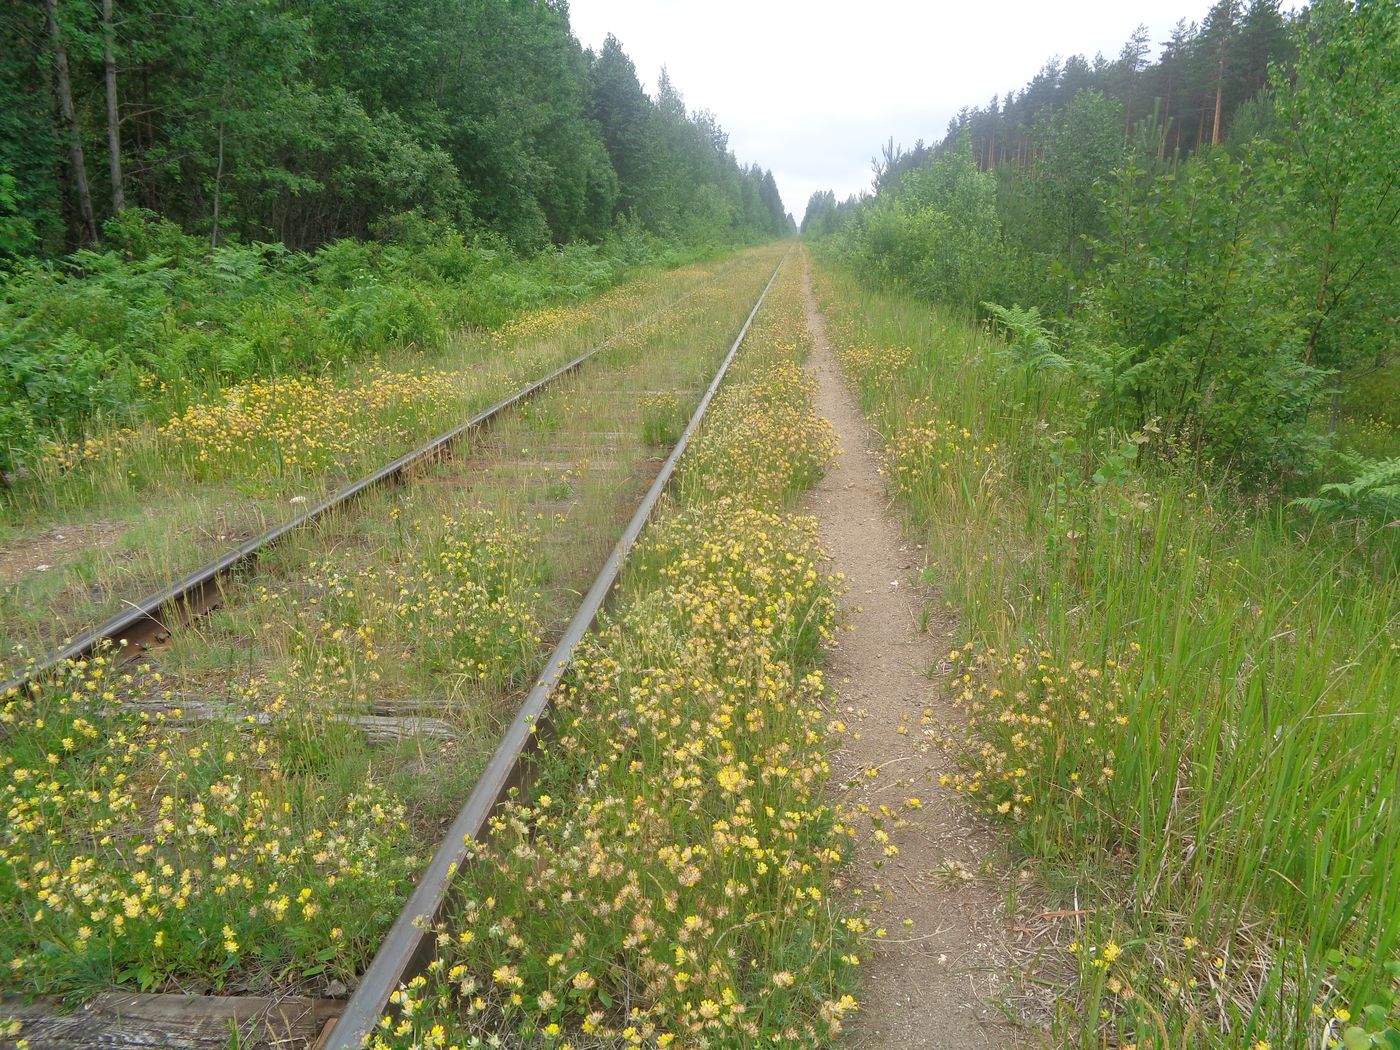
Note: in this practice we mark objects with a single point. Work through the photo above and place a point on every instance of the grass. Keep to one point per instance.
(1181, 700)
(668, 880)
(123, 513)
(1369, 417)
(246, 812)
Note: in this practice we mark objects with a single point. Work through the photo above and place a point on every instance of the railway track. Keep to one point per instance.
(193, 1021)
(150, 619)
(408, 946)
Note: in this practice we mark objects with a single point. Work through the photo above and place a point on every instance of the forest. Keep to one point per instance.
(203, 188)
(1206, 240)
(300, 123)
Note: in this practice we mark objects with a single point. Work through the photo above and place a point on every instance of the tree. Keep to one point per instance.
(1336, 167)
(1217, 40)
(1131, 62)
(114, 138)
(1192, 304)
(938, 233)
(1263, 40)
(32, 150)
(63, 90)
(818, 219)
(308, 120)
(1079, 146)
(1171, 71)
(624, 114)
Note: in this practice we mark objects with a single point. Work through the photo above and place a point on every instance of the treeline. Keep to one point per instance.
(1188, 98)
(195, 192)
(310, 120)
(1207, 242)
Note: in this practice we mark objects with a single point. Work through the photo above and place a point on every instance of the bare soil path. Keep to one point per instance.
(936, 980)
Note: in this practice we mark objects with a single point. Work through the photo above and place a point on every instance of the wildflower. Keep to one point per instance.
(729, 778)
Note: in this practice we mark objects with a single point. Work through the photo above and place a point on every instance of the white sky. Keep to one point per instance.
(812, 88)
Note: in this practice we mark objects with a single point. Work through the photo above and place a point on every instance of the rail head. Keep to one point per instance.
(406, 949)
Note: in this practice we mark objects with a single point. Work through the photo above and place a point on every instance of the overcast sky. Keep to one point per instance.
(811, 88)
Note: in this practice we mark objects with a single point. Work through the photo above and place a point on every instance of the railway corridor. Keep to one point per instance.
(688, 832)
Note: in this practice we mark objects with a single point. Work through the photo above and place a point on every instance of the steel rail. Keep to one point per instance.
(408, 945)
(146, 614)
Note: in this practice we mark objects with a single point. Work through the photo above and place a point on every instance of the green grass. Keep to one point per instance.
(1181, 700)
(1369, 416)
(151, 320)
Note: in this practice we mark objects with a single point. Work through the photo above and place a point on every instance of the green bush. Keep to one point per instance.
(374, 314)
(937, 234)
(1201, 307)
(16, 230)
(1372, 492)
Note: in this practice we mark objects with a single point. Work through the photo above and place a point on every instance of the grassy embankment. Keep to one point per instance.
(247, 813)
(1181, 700)
(89, 526)
(668, 881)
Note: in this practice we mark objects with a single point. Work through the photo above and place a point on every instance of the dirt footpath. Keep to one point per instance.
(939, 980)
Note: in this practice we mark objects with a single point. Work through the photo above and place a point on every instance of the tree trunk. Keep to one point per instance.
(1320, 307)
(64, 87)
(1219, 95)
(114, 131)
(1166, 122)
(218, 188)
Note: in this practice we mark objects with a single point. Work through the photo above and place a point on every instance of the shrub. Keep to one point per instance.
(937, 235)
(1373, 491)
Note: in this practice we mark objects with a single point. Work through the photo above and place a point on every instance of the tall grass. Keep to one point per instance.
(1184, 701)
(154, 319)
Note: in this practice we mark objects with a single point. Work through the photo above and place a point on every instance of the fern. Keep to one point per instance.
(1027, 337)
(1373, 493)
